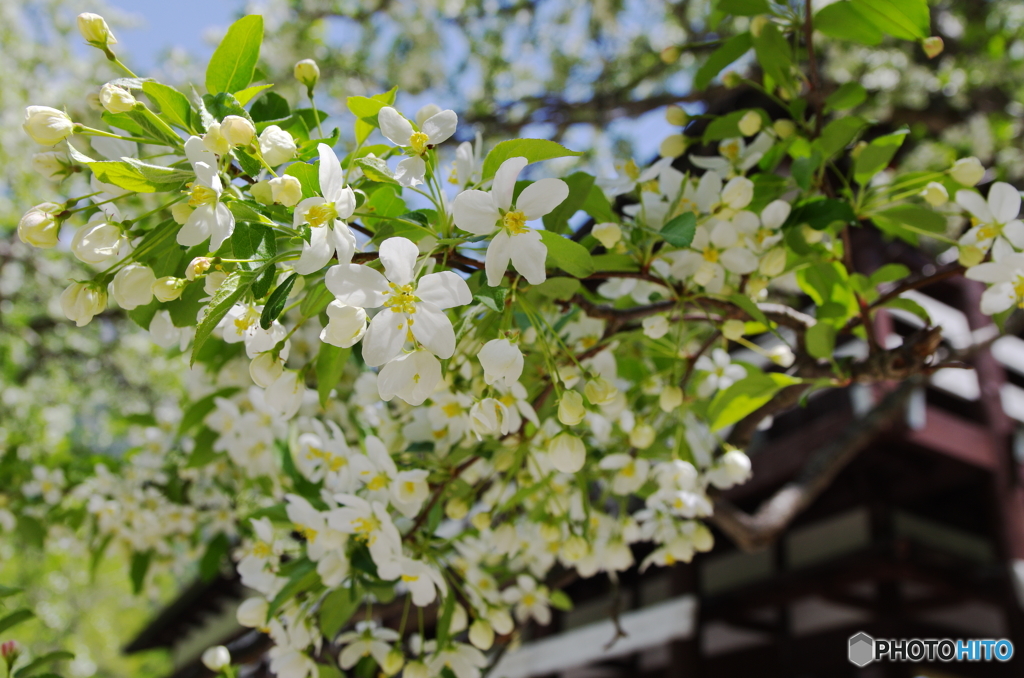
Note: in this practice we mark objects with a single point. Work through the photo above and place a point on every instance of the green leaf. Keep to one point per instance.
(615, 262)
(725, 127)
(135, 175)
(680, 230)
(330, 364)
(902, 19)
(580, 187)
(329, 670)
(909, 306)
(821, 213)
(376, 169)
(139, 567)
(198, 410)
(251, 240)
(6, 591)
(889, 273)
(744, 397)
(774, 54)
(750, 308)
(918, 218)
(308, 176)
(560, 601)
(336, 609)
(876, 156)
(570, 256)
(222, 105)
(848, 95)
(233, 63)
(209, 565)
(731, 50)
(827, 283)
(316, 300)
(838, 134)
(743, 7)
(821, 340)
(559, 288)
(270, 106)
(230, 291)
(172, 104)
(250, 165)
(534, 150)
(39, 662)
(493, 297)
(597, 206)
(249, 93)
(444, 624)
(15, 618)
(842, 20)
(303, 578)
(276, 303)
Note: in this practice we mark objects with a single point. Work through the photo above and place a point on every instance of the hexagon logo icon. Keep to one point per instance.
(862, 649)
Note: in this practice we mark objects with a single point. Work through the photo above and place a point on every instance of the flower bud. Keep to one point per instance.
(133, 286)
(38, 227)
(481, 521)
(426, 113)
(456, 508)
(180, 212)
(96, 242)
(670, 398)
(501, 621)
(773, 262)
(672, 146)
(265, 369)
(416, 669)
(481, 635)
(52, 165)
(502, 362)
(702, 538)
(276, 145)
(782, 355)
(676, 116)
(784, 127)
(567, 453)
(932, 46)
(307, 72)
(570, 408)
(733, 329)
(216, 658)
(214, 140)
(47, 126)
(116, 99)
(970, 256)
(757, 25)
(9, 652)
(670, 54)
(655, 326)
(286, 190)
(237, 130)
(935, 194)
(642, 436)
(574, 548)
(197, 267)
(393, 662)
(967, 171)
(168, 288)
(253, 612)
(857, 149)
(346, 326)
(812, 235)
(750, 123)
(81, 301)
(608, 234)
(262, 192)
(95, 30)
(600, 391)
(732, 79)
(731, 469)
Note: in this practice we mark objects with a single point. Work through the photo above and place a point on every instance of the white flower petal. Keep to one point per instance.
(540, 197)
(775, 214)
(396, 128)
(197, 228)
(344, 242)
(332, 179)
(316, 253)
(411, 171)
(444, 289)
(433, 330)
(411, 377)
(739, 260)
(989, 273)
(1003, 202)
(399, 258)
(504, 184)
(385, 337)
(474, 211)
(975, 204)
(998, 298)
(499, 253)
(529, 254)
(357, 285)
(440, 127)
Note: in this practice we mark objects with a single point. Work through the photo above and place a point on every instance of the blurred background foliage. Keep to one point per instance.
(596, 76)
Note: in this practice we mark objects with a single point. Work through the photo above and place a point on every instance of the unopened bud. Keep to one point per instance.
(782, 356)
(732, 79)
(935, 194)
(216, 658)
(967, 171)
(47, 126)
(481, 635)
(262, 192)
(570, 408)
(933, 46)
(672, 146)
(116, 99)
(750, 123)
(237, 130)
(95, 30)
(784, 127)
(393, 662)
(168, 288)
(600, 391)
(670, 398)
(642, 436)
(456, 508)
(307, 72)
(733, 329)
(676, 116)
(39, 227)
(670, 55)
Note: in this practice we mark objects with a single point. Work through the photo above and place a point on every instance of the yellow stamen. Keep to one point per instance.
(307, 532)
(514, 222)
(710, 254)
(729, 149)
(201, 195)
(402, 299)
(418, 142)
(410, 577)
(322, 214)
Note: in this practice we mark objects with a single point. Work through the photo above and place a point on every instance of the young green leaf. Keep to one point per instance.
(276, 302)
(139, 567)
(534, 150)
(876, 156)
(330, 363)
(568, 255)
(731, 50)
(337, 608)
(745, 396)
(172, 104)
(821, 340)
(902, 19)
(234, 61)
(15, 618)
(376, 169)
(842, 20)
(229, 292)
(135, 175)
